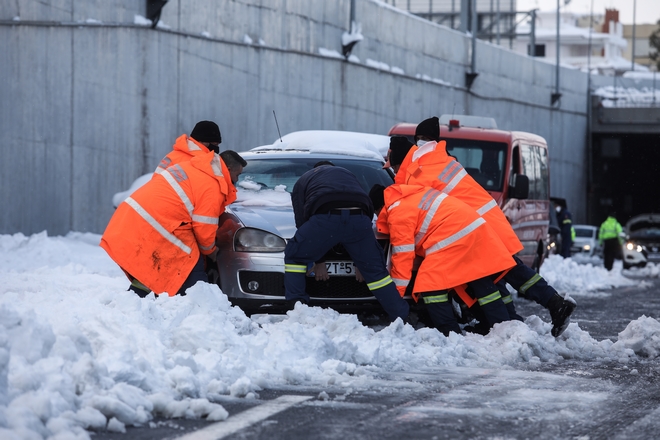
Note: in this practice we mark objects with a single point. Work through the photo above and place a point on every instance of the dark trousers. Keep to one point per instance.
(529, 284)
(355, 232)
(438, 305)
(490, 300)
(197, 274)
(611, 248)
(566, 242)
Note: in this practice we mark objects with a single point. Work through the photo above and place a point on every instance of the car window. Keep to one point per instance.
(483, 160)
(586, 233)
(281, 174)
(535, 167)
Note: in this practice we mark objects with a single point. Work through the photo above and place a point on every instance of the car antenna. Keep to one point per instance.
(452, 115)
(278, 126)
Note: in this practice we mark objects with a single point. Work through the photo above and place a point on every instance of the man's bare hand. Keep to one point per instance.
(358, 275)
(213, 256)
(320, 272)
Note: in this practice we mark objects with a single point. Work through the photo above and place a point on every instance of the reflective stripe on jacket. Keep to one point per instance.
(156, 235)
(184, 149)
(610, 228)
(430, 165)
(457, 244)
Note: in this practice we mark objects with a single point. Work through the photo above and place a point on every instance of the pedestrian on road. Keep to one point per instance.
(330, 207)
(428, 164)
(160, 232)
(609, 236)
(565, 220)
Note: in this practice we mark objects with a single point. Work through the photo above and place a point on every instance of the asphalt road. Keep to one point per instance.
(564, 400)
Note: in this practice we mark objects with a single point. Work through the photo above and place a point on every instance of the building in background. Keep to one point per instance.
(603, 52)
(642, 46)
(496, 19)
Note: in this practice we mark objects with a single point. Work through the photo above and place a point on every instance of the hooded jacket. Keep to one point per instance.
(457, 245)
(156, 235)
(184, 149)
(430, 165)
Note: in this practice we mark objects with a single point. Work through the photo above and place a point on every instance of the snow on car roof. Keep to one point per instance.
(350, 143)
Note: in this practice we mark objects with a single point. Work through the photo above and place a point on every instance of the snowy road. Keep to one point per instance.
(571, 399)
(82, 358)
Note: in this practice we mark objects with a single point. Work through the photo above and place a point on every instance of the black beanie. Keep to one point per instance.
(206, 131)
(430, 128)
(399, 147)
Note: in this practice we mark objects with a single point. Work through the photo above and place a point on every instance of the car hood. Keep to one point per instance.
(643, 221)
(276, 219)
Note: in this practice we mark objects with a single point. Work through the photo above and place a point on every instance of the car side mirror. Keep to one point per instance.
(520, 187)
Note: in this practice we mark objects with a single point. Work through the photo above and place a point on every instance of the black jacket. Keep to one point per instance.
(327, 187)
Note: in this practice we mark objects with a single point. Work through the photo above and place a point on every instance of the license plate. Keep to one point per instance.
(340, 268)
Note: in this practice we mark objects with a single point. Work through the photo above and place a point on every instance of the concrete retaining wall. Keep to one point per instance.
(91, 99)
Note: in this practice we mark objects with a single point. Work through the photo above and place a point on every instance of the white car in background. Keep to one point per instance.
(642, 241)
(586, 241)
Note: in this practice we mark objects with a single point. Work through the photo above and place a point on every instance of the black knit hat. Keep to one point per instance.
(430, 128)
(399, 147)
(206, 131)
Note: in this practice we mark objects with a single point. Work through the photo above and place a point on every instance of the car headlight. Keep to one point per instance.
(586, 247)
(256, 240)
(633, 247)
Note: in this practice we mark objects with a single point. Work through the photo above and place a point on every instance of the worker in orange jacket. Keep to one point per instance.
(429, 164)
(160, 232)
(457, 245)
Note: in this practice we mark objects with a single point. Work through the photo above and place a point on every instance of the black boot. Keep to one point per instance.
(560, 312)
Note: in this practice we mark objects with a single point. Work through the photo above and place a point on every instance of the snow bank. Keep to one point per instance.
(78, 352)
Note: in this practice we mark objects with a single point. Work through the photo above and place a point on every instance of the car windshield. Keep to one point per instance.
(269, 181)
(483, 160)
(585, 233)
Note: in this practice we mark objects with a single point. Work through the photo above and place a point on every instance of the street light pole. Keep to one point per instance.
(555, 96)
(632, 54)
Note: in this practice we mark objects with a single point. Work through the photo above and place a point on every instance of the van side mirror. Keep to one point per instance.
(520, 188)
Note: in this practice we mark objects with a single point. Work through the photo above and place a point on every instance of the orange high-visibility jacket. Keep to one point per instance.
(156, 235)
(457, 245)
(184, 149)
(430, 165)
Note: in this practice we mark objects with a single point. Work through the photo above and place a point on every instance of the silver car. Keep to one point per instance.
(254, 230)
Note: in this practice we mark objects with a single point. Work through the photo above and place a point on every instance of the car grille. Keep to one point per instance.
(337, 287)
(272, 284)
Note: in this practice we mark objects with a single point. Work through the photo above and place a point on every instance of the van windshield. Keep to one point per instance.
(483, 160)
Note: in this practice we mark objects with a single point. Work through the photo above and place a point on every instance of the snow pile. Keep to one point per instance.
(651, 270)
(629, 96)
(567, 276)
(350, 143)
(78, 352)
(354, 36)
(331, 53)
(250, 193)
